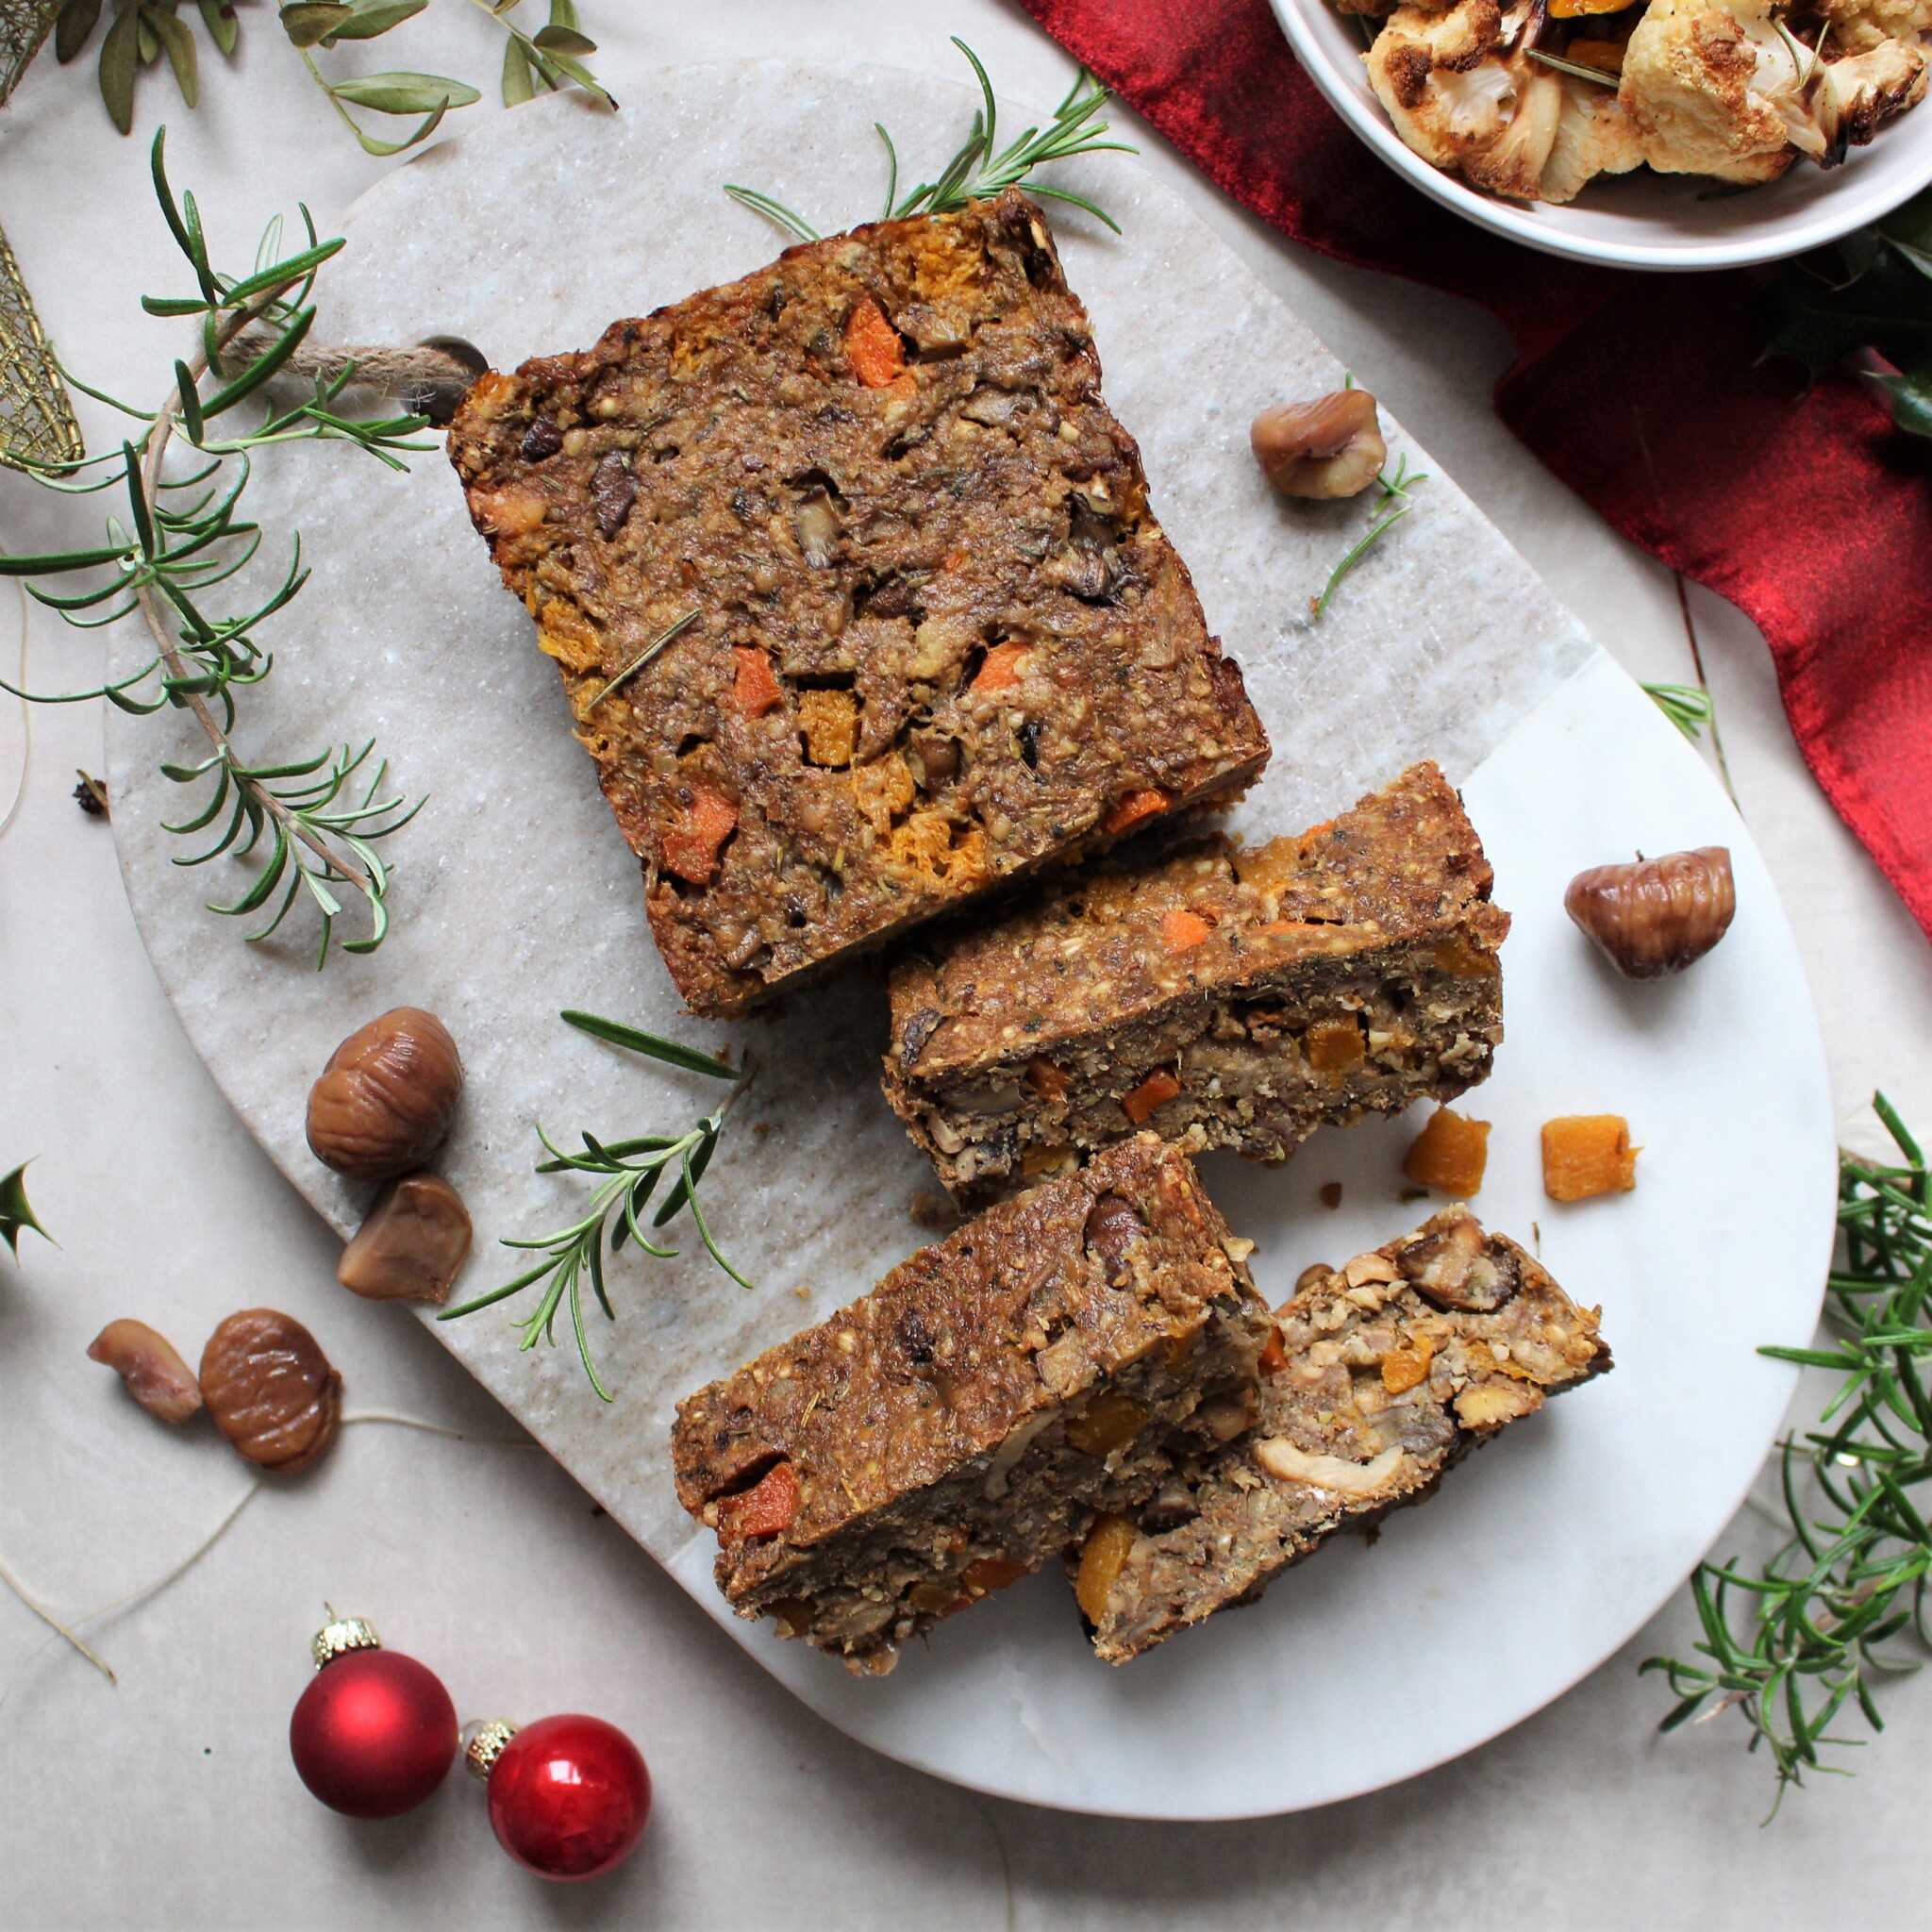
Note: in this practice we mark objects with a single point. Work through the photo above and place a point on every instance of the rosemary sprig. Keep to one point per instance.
(140, 31)
(1391, 507)
(181, 533)
(980, 167)
(1792, 1645)
(1686, 705)
(1576, 69)
(16, 1214)
(631, 1171)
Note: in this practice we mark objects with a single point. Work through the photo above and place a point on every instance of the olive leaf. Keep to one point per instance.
(403, 93)
(369, 18)
(179, 44)
(120, 58)
(15, 1212)
(306, 22)
(223, 27)
(518, 83)
(70, 31)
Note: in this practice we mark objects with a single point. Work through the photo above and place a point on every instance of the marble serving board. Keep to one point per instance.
(514, 895)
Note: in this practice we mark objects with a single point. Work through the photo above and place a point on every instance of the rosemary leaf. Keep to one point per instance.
(1686, 705)
(1392, 506)
(671, 1051)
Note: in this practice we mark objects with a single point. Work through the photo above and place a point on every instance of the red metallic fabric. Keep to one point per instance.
(1643, 393)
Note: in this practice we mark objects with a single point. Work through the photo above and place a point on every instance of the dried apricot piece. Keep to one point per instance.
(1406, 1367)
(1110, 1422)
(1046, 1079)
(1154, 1093)
(1335, 1047)
(1449, 1153)
(1001, 670)
(1273, 1358)
(1103, 1555)
(991, 1573)
(1133, 808)
(1588, 1153)
(1462, 958)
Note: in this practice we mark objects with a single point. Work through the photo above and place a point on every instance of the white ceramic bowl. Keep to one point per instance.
(1641, 219)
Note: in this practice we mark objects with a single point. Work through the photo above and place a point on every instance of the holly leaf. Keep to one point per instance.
(1887, 306)
(15, 1212)
(1911, 400)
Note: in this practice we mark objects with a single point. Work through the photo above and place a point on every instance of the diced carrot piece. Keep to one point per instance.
(1181, 930)
(873, 345)
(991, 1573)
(1588, 1153)
(1405, 1367)
(1101, 1557)
(764, 1509)
(1135, 807)
(691, 850)
(1001, 670)
(1449, 1153)
(1335, 1047)
(756, 690)
(1155, 1091)
(1273, 1358)
(1046, 1079)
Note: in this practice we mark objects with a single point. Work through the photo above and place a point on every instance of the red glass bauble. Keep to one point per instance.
(569, 1797)
(374, 1734)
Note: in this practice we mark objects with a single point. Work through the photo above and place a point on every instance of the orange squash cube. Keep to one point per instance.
(1154, 1093)
(1449, 1153)
(1588, 1153)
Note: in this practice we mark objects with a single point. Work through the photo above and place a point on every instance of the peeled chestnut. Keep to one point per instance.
(385, 1101)
(271, 1390)
(412, 1244)
(153, 1370)
(1329, 447)
(1657, 915)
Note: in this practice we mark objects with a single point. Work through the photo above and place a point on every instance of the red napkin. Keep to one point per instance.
(1641, 392)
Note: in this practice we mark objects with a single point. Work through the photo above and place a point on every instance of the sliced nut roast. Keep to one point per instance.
(1660, 915)
(1329, 447)
(385, 1101)
(148, 1362)
(271, 1390)
(412, 1244)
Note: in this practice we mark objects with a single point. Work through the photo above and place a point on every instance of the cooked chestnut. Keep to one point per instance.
(384, 1102)
(1113, 1225)
(155, 1375)
(1329, 447)
(412, 1244)
(1658, 915)
(271, 1390)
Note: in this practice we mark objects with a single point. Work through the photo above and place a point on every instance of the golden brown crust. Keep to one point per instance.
(882, 467)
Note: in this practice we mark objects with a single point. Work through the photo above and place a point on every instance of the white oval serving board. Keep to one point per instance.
(514, 896)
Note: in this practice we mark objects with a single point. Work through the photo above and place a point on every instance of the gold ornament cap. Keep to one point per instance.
(339, 1636)
(486, 1747)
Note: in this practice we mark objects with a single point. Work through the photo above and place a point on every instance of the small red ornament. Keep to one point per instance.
(375, 1733)
(568, 1795)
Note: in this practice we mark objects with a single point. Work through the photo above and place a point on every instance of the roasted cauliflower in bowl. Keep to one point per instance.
(1533, 102)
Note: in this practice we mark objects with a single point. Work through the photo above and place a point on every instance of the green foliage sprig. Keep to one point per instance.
(140, 32)
(178, 535)
(16, 1214)
(1793, 1644)
(980, 167)
(1874, 300)
(628, 1172)
(1686, 705)
(1392, 506)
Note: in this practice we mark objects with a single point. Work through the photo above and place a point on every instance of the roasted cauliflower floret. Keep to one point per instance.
(1513, 165)
(1856, 26)
(1850, 98)
(1593, 137)
(1688, 87)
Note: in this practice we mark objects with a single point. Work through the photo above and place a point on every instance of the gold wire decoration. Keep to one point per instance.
(36, 418)
(23, 24)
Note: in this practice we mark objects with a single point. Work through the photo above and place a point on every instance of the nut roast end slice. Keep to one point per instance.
(1384, 1374)
(1246, 993)
(959, 1425)
(933, 635)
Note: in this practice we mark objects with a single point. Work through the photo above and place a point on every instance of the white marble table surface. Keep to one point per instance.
(169, 1800)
